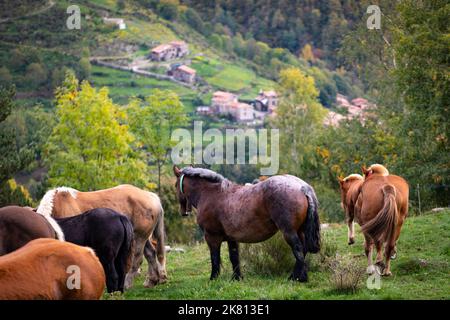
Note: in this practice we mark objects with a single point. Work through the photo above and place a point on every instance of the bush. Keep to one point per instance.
(271, 257)
(346, 273)
(320, 261)
(274, 256)
(14, 194)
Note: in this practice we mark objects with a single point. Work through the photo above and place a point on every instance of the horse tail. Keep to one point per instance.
(382, 227)
(312, 223)
(159, 236)
(126, 251)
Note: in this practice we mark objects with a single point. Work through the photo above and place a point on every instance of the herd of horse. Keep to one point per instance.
(105, 234)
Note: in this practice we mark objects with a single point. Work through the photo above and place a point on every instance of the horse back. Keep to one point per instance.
(18, 226)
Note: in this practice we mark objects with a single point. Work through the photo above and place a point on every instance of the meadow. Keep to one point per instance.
(421, 270)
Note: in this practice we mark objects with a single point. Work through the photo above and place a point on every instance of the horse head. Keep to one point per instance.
(375, 169)
(185, 205)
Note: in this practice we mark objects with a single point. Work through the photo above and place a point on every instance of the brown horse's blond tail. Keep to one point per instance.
(382, 227)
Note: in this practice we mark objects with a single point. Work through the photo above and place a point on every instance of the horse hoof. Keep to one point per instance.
(299, 278)
(351, 241)
(386, 274)
(371, 269)
(380, 264)
(394, 256)
(150, 282)
(237, 278)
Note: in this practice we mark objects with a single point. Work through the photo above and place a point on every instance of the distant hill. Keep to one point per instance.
(36, 47)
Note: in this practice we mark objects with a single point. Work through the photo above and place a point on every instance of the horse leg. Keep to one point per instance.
(368, 248)
(299, 273)
(379, 260)
(233, 248)
(137, 260)
(111, 275)
(214, 242)
(351, 230)
(152, 278)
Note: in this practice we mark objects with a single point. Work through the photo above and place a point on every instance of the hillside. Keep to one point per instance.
(419, 272)
(35, 59)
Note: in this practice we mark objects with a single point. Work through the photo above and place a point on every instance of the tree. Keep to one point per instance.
(90, 147)
(299, 118)
(14, 156)
(194, 20)
(5, 77)
(36, 74)
(307, 53)
(85, 68)
(153, 122)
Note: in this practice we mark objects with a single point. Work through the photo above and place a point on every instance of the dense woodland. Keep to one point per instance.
(313, 52)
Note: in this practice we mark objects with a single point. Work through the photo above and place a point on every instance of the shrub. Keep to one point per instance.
(271, 257)
(346, 273)
(14, 194)
(274, 256)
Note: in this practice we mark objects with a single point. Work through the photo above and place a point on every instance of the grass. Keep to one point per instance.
(231, 77)
(124, 85)
(421, 270)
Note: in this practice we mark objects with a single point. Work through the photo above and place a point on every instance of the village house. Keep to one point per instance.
(221, 101)
(169, 51)
(266, 101)
(185, 74)
(356, 109)
(241, 112)
(120, 23)
(204, 110)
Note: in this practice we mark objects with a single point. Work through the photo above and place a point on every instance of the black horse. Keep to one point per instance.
(110, 234)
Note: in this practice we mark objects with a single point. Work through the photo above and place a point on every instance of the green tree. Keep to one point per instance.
(90, 147)
(153, 122)
(36, 75)
(14, 156)
(299, 119)
(5, 77)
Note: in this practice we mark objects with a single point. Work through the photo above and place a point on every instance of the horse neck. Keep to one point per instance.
(201, 190)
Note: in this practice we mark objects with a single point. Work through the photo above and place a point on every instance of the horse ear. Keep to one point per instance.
(341, 180)
(364, 169)
(176, 171)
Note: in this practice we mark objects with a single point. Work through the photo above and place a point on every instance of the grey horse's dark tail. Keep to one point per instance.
(311, 228)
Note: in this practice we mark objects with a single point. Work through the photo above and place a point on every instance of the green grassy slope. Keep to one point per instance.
(421, 270)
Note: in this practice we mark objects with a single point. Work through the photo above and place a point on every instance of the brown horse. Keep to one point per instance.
(350, 190)
(43, 268)
(18, 226)
(381, 209)
(143, 208)
(251, 213)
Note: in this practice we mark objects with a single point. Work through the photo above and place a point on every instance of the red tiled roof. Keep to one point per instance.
(161, 48)
(186, 69)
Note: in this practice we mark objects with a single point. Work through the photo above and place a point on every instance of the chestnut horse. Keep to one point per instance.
(43, 268)
(19, 225)
(381, 209)
(143, 208)
(251, 213)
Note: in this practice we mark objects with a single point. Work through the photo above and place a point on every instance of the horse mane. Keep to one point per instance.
(379, 169)
(207, 175)
(45, 208)
(354, 176)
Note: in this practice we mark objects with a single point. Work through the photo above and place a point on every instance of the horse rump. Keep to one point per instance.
(382, 226)
(311, 227)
